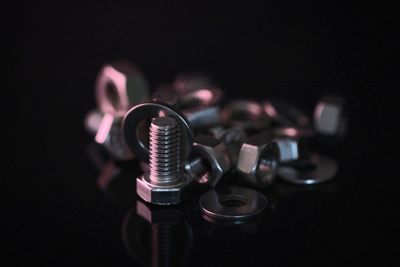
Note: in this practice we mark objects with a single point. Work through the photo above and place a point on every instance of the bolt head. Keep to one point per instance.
(159, 195)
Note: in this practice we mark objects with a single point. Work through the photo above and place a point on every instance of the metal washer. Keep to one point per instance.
(213, 203)
(325, 170)
(148, 110)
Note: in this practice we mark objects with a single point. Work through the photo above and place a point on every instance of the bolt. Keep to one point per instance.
(164, 151)
(164, 182)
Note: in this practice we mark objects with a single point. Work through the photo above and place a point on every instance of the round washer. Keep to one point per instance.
(148, 110)
(325, 169)
(248, 203)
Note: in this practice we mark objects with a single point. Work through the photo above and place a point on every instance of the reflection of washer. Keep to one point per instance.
(324, 169)
(135, 131)
(236, 203)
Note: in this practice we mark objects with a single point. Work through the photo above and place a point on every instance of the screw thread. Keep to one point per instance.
(164, 153)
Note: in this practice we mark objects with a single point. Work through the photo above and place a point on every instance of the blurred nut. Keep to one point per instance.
(92, 121)
(258, 160)
(245, 114)
(109, 134)
(288, 149)
(165, 94)
(292, 132)
(195, 105)
(209, 160)
(285, 113)
(329, 116)
(232, 138)
(187, 82)
(201, 97)
(205, 117)
(119, 86)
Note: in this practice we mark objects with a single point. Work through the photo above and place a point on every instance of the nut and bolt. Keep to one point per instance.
(164, 182)
(184, 135)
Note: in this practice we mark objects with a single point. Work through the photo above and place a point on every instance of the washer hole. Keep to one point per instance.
(232, 201)
(112, 95)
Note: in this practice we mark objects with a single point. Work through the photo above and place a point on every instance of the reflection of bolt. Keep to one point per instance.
(166, 236)
(165, 239)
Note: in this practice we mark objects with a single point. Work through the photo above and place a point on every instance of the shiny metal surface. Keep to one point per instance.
(321, 169)
(200, 97)
(164, 183)
(107, 132)
(288, 149)
(165, 158)
(232, 137)
(292, 132)
(198, 105)
(203, 117)
(209, 161)
(329, 116)
(136, 131)
(246, 114)
(233, 203)
(258, 160)
(191, 81)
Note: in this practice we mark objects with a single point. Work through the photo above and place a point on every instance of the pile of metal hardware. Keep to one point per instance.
(184, 136)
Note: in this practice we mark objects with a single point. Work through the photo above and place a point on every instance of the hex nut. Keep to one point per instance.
(329, 116)
(190, 81)
(245, 114)
(160, 195)
(119, 86)
(258, 160)
(165, 94)
(203, 117)
(288, 149)
(285, 114)
(209, 160)
(92, 121)
(232, 138)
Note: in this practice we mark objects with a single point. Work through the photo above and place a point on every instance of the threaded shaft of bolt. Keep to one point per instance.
(164, 153)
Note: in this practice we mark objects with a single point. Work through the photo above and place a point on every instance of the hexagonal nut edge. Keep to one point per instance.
(159, 195)
(216, 154)
(119, 86)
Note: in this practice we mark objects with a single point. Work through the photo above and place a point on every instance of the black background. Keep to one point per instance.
(55, 214)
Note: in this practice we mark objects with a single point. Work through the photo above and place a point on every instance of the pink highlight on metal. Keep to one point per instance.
(112, 77)
(104, 128)
(292, 132)
(270, 110)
